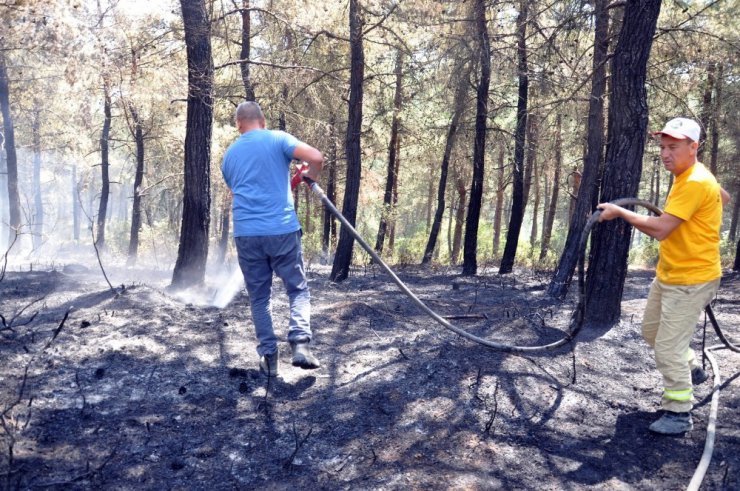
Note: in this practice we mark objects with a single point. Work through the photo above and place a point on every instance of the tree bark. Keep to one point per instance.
(735, 211)
(714, 149)
(11, 160)
(706, 111)
(736, 265)
(628, 118)
(38, 204)
(517, 202)
(394, 201)
(133, 243)
(534, 175)
(390, 181)
(104, 168)
(343, 257)
(329, 226)
(458, 108)
(470, 253)
(193, 250)
(75, 205)
(499, 207)
(547, 231)
(246, 52)
(459, 220)
(588, 191)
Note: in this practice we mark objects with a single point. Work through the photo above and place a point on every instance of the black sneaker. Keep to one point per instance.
(270, 364)
(302, 356)
(698, 376)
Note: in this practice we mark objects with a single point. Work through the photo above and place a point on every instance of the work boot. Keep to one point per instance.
(302, 356)
(672, 423)
(270, 364)
(698, 376)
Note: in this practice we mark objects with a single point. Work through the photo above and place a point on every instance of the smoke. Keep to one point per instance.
(227, 290)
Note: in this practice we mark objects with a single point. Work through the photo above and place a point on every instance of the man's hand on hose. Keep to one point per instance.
(609, 211)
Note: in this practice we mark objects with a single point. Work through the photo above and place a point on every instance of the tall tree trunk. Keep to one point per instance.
(517, 202)
(390, 180)
(329, 225)
(343, 257)
(547, 232)
(104, 168)
(11, 161)
(470, 259)
(459, 220)
(499, 207)
(75, 204)
(245, 52)
(394, 201)
(628, 117)
(38, 204)
(459, 107)
(735, 212)
(193, 250)
(714, 149)
(534, 172)
(706, 110)
(588, 193)
(133, 243)
(736, 265)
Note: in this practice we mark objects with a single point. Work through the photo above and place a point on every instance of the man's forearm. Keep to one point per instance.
(645, 224)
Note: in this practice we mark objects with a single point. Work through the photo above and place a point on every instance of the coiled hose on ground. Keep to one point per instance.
(576, 321)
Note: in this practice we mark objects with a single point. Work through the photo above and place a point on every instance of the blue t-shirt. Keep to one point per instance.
(257, 169)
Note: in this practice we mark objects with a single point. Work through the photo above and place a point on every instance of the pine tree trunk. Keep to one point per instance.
(38, 204)
(459, 107)
(735, 211)
(470, 259)
(547, 232)
(75, 205)
(517, 202)
(628, 118)
(390, 180)
(736, 265)
(588, 193)
(104, 168)
(706, 111)
(11, 161)
(714, 149)
(534, 175)
(193, 250)
(459, 220)
(245, 52)
(133, 243)
(499, 208)
(329, 225)
(394, 202)
(343, 257)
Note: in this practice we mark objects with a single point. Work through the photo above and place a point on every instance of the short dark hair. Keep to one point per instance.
(249, 111)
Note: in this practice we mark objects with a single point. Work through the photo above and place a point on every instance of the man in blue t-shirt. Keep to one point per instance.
(267, 233)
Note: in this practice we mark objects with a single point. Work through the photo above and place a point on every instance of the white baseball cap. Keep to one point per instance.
(681, 128)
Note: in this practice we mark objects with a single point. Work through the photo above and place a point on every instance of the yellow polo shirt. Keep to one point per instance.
(690, 254)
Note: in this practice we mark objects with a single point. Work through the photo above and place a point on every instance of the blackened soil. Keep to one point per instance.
(142, 391)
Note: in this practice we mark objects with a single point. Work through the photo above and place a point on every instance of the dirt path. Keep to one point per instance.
(142, 391)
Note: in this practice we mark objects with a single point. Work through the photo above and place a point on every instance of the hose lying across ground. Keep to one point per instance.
(577, 320)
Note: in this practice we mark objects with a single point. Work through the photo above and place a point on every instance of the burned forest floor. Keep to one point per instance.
(142, 389)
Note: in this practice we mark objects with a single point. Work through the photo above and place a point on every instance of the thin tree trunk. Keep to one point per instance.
(736, 265)
(11, 161)
(104, 168)
(329, 225)
(499, 208)
(343, 257)
(628, 117)
(470, 259)
(390, 180)
(75, 205)
(38, 205)
(394, 202)
(714, 150)
(735, 213)
(193, 250)
(133, 243)
(459, 220)
(547, 233)
(245, 52)
(459, 107)
(517, 202)
(588, 192)
(706, 110)
(532, 164)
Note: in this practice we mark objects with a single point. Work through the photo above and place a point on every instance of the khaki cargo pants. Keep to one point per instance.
(668, 325)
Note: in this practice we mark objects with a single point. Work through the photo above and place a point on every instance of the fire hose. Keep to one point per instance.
(577, 319)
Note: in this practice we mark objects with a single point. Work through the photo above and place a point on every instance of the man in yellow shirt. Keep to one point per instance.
(688, 272)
